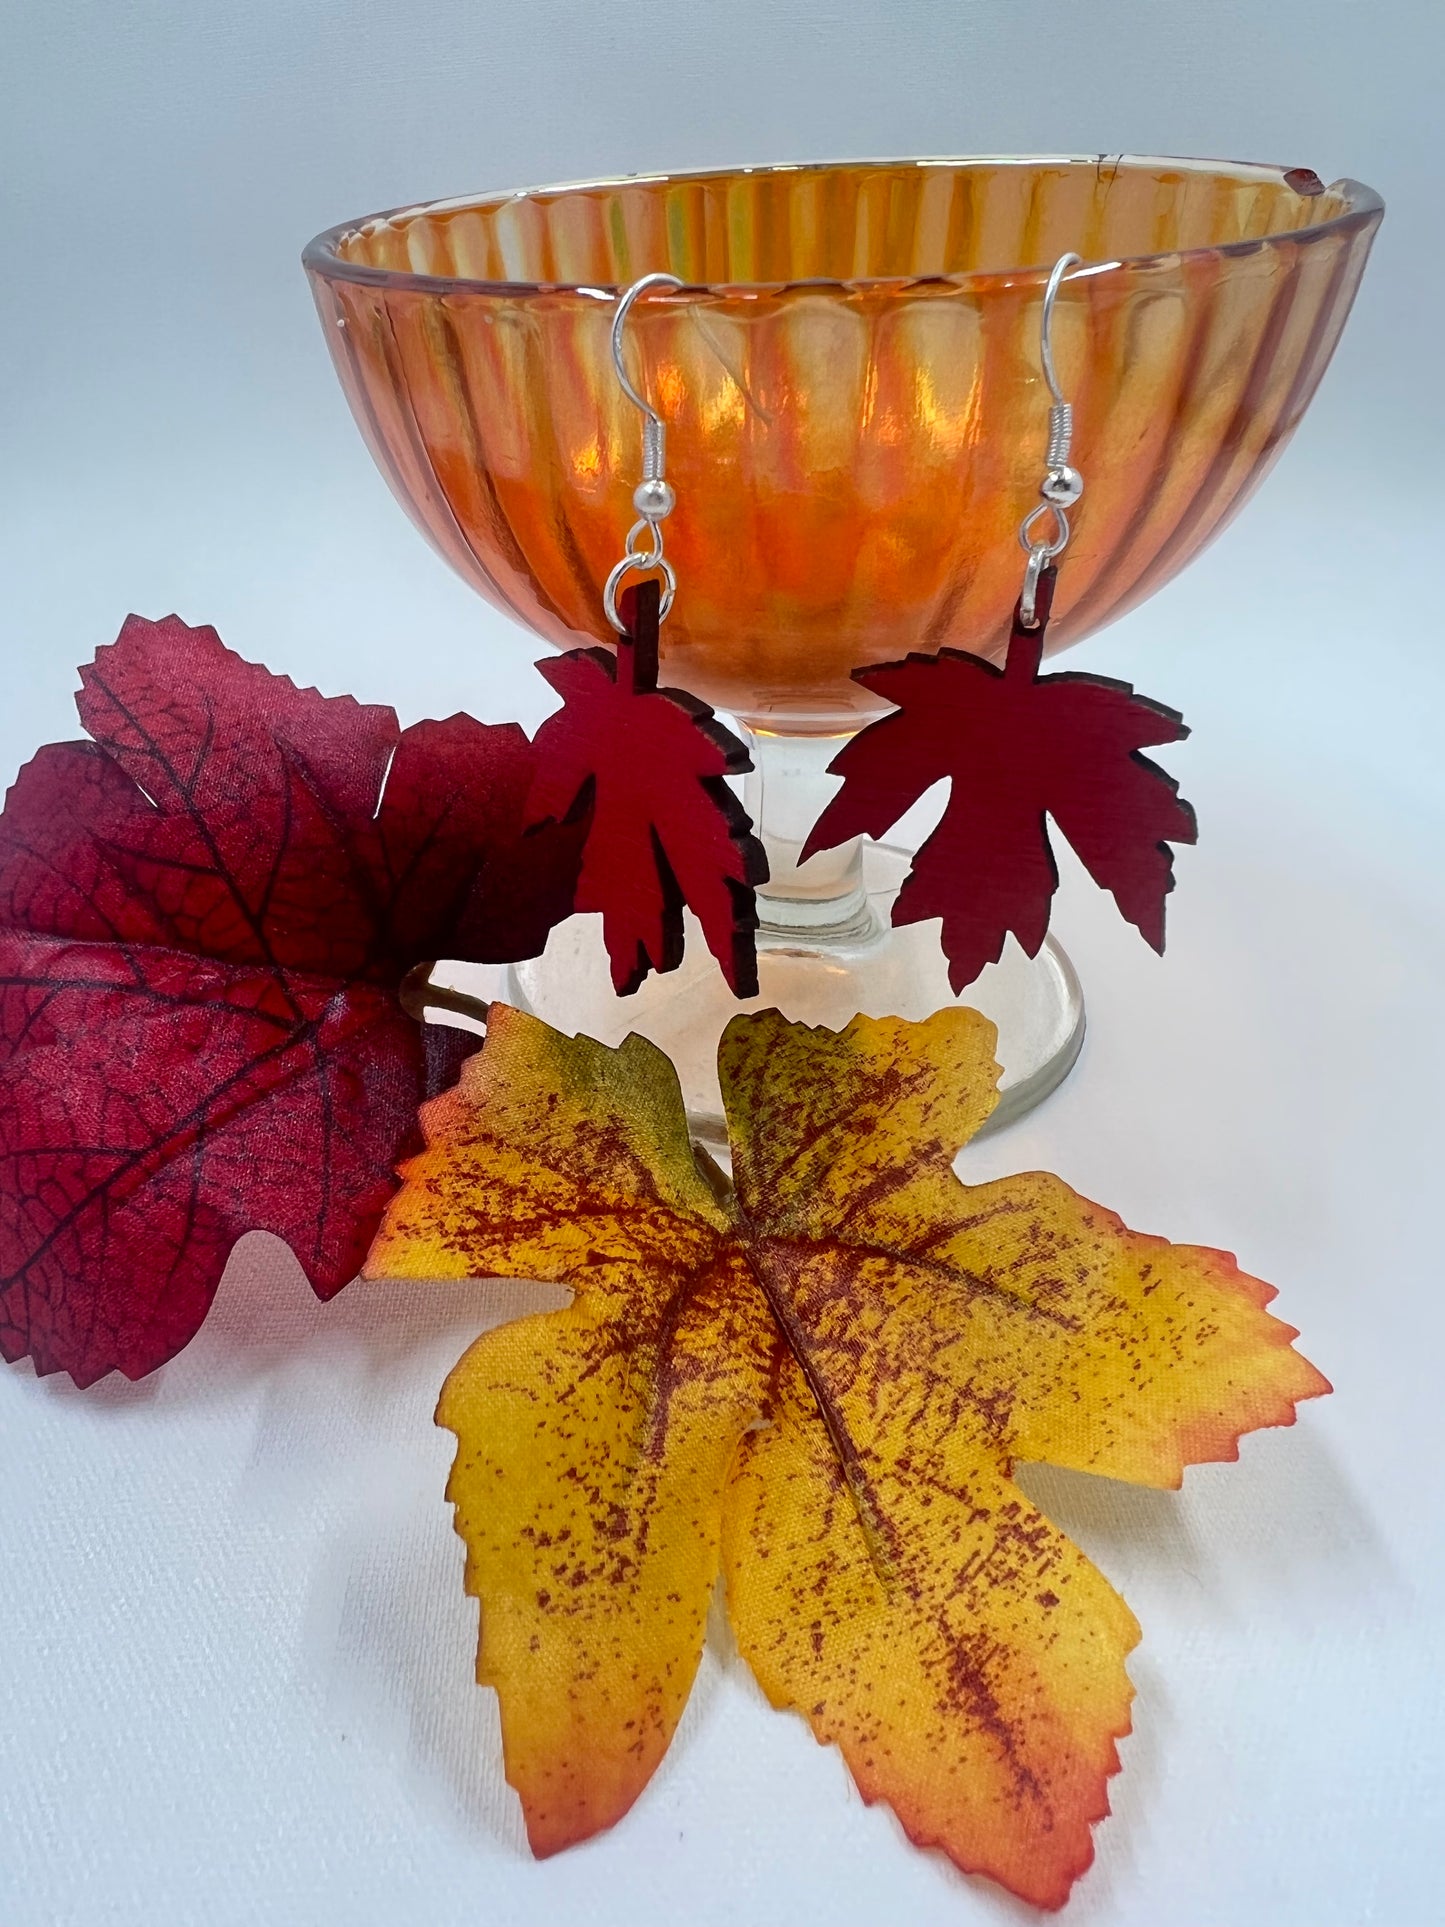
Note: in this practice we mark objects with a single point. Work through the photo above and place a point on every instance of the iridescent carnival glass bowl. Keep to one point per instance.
(856, 417)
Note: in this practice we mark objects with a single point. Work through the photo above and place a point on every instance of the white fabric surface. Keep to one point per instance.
(237, 1661)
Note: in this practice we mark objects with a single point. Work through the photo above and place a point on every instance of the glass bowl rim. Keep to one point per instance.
(320, 256)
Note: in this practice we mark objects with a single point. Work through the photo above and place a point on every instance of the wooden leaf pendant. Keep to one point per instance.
(647, 768)
(1017, 748)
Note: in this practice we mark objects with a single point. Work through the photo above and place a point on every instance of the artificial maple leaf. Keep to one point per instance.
(1016, 748)
(646, 767)
(822, 1381)
(205, 915)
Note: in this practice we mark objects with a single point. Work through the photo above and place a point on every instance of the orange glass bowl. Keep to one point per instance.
(851, 382)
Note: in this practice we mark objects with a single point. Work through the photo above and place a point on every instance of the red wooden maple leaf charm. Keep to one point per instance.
(1017, 747)
(645, 768)
(205, 914)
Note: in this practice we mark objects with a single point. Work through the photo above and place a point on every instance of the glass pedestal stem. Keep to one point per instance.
(825, 900)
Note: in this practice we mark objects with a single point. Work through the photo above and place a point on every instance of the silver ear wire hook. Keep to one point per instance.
(654, 431)
(1046, 326)
(653, 497)
(1062, 485)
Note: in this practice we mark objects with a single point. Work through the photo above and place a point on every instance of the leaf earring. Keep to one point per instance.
(1017, 748)
(648, 766)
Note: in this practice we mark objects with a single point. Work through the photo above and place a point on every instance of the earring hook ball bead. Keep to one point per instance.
(654, 499)
(1062, 487)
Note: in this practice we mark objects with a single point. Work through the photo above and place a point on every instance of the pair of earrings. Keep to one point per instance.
(1017, 746)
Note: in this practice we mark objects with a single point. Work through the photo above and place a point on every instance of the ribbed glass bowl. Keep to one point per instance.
(857, 421)
(851, 382)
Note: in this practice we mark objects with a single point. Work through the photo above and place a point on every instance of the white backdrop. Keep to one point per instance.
(237, 1661)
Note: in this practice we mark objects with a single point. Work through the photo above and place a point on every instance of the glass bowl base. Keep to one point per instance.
(1036, 1002)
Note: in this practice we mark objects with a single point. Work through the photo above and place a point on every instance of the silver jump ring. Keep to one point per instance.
(1029, 598)
(643, 565)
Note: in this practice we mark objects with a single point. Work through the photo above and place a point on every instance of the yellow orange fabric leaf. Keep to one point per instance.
(594, 1442)
(819, 1381)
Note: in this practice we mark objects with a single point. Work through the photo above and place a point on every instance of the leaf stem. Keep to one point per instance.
(417, 994)
(714, 1176)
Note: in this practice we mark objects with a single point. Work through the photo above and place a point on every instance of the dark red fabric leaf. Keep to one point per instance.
(1017, 748)
(204, 918)
(644, 769)
(158, 1105)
